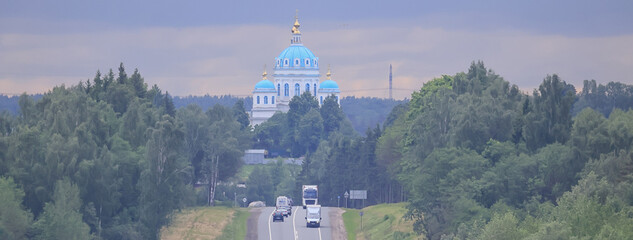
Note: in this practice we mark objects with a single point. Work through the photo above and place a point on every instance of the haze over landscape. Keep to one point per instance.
(217, 48)
(153, 120)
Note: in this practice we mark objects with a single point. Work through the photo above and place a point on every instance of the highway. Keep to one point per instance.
(293, 227)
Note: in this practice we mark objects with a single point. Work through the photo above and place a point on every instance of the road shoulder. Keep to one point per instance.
(251, 224)
(338, 228)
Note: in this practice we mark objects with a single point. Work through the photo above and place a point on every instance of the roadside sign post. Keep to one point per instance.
(244, 200)
(346, 195)
(361, 220)
(338, 201)
(358, 194)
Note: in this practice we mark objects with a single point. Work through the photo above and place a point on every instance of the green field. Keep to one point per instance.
(382, 221)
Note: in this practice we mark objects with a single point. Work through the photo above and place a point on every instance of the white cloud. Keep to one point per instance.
(229, 59)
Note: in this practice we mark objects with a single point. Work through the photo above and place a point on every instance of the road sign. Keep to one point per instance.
(361, 213)
(357, 194)
(244, 200)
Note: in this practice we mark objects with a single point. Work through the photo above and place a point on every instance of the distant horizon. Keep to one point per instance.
(216, 48)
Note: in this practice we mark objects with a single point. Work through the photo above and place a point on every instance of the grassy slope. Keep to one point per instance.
(382, 221)
(207, 223)
(236, 230)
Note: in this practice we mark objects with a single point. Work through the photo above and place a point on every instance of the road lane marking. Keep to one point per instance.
(270, 232)
(320, 230)
(294, 227)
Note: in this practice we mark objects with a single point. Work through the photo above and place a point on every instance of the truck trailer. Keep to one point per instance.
(310, 195)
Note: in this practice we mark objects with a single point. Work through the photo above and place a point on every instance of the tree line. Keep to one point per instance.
(110, 158)
(478, 159)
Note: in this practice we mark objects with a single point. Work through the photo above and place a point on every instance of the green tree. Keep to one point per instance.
(620, 130)
(259, 186)
(550, 118)
(443, 188)
(163, 178)
(14, 219)
(332, 115)
(270, 134)
(140, 87)
(299, 106)
(224, 148)
(503, 227)
(240, 114)
(308, 133)
(196, 127)
(61, 218)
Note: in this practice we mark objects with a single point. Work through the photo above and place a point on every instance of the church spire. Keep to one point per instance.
(264, 74)
(296, 34)
(329, 73)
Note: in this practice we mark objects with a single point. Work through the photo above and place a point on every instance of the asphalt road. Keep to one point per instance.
(293, 227)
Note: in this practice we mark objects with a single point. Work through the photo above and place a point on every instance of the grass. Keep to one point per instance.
(198, 223)
(244, 172)
(351, 220)
(237, 228)
(382, 221)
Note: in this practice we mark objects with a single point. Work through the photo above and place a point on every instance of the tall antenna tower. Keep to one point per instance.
(390, 82)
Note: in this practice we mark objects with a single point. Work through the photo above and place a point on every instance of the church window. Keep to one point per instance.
(316, 63)
(307, 87)
(286, 62)
(296, 62)
(257, 99)
(297, 89)
(315, 89)
(278, 89)
(265, 99)
(321, 100)
(277, 62)
(273, 100)
(307, 62)
(286, 90)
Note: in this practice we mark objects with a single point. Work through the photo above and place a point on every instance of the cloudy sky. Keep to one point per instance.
(221, 47)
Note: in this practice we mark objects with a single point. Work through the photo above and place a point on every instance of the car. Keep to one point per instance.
(289, 208)
(256, 204)
(278, 215)
(284, 211)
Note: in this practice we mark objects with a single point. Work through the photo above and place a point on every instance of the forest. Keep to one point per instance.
(474, 157)
(111, 158)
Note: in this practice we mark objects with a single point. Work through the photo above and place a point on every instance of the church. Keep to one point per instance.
(296, 70)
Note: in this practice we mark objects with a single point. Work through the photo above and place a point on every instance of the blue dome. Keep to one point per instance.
(328, 84)
(265, 84)
(297, 52)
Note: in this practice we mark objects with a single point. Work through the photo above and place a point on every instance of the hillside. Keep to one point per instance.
(383, 221)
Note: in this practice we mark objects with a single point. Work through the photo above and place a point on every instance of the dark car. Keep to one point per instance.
(278, 215)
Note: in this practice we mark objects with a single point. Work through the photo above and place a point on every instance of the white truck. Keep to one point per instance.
(313, 216)
(310, 195)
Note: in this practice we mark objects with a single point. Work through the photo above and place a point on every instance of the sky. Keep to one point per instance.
(220, 47)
